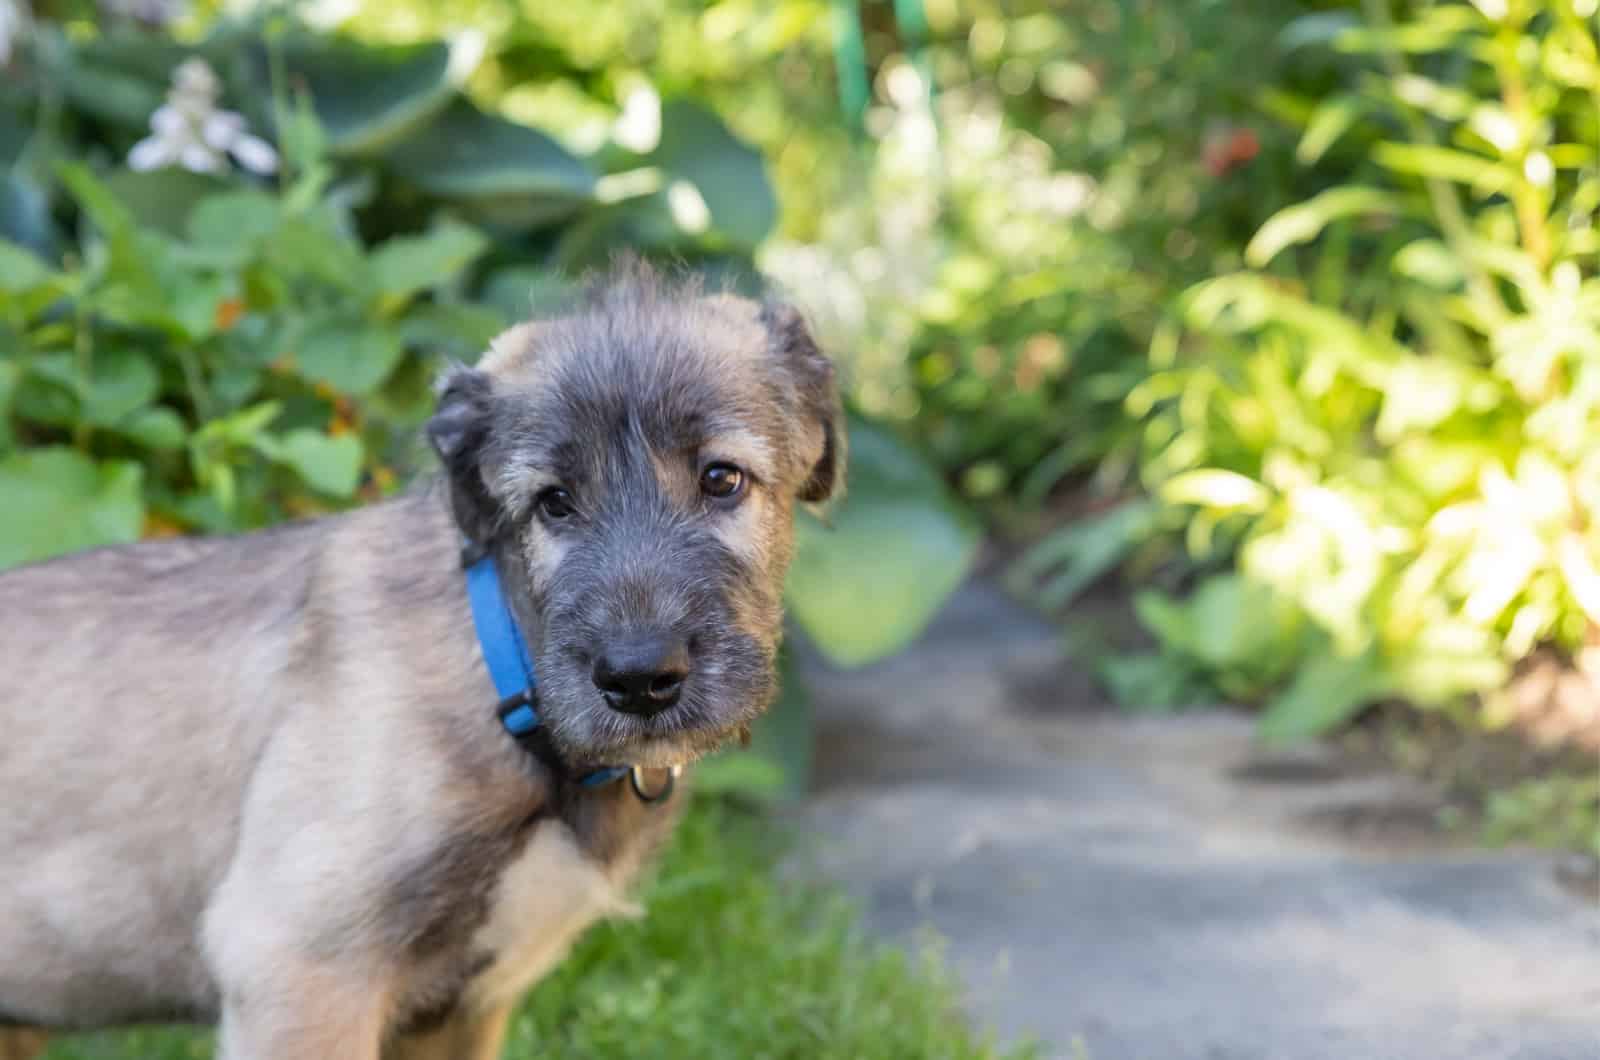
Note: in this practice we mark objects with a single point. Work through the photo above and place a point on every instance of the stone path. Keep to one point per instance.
(1130, 888)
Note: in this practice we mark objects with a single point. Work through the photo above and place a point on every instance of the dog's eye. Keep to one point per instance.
(555, 503)
(721, 481)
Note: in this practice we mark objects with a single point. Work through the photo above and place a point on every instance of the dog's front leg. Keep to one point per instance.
(468, 1035)
(310, 1013)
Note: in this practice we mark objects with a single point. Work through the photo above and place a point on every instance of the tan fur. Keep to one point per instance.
(259, 779)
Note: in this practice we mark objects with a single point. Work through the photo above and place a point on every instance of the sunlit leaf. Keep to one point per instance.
(367, 96)
(1482, 175)
(509, 171)
(1304, 221)
(348, 356)
(330, 465)
(1333, 118)
(728, 174)
(405, 265)
(58, 500)
(1215, 488)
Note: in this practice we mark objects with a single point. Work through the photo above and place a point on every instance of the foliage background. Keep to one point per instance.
(1282, 311)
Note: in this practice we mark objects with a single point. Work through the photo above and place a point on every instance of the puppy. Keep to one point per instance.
(270, 781)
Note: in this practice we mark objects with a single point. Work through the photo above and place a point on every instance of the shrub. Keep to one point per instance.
(1386, 424)
(1031, 214)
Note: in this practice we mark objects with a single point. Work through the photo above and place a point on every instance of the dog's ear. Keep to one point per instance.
(458, 432)
(818, 389)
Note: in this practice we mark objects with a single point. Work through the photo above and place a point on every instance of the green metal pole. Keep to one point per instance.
(850, 61)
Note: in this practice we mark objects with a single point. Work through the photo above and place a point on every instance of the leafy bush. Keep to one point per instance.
(400, 137)
(1031, 214)
(1387, 424)
(260, 365)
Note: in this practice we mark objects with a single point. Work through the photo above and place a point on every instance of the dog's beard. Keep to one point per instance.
(733, 682)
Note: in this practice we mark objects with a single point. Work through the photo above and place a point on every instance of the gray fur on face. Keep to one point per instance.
(622, 402)
(260, 779)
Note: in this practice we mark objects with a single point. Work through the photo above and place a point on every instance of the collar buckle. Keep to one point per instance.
(636, 781)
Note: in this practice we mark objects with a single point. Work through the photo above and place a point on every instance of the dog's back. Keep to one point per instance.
(110, 790)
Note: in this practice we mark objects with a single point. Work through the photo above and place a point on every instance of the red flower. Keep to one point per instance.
(1227, 147)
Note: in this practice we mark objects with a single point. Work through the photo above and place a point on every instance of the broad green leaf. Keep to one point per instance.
(308, 246)
(57, 500)
(351, 357)
(368, 96)
(492, 164)
(405, 265)
(1166, 618)
(21, 270)
(728, 173)
(1229, 622)
(457, 330)
(1303, 222)
(898, 546)
(157, 428)
(1327, 690)
(121, 77)
(519, 292)
(196, 297)
(644, 223)
(162, 199)
(330, 465)
(119, 382)
(233, 220)
(110, 214)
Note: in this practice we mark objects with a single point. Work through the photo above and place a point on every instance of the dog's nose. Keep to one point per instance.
(642, 674)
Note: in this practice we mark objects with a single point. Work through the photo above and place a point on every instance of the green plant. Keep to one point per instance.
(1028, 215)
(1387, 425)
(259, 365)
(1559, 811)
(400, 139)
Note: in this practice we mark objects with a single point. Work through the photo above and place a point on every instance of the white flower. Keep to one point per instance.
(13, 23)
(190, 131)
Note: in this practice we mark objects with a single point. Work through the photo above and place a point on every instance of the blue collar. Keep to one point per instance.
(511, 668)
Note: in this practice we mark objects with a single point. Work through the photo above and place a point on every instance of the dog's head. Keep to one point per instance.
(634, 464)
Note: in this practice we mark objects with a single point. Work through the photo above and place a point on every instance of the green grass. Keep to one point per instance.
(731, 961)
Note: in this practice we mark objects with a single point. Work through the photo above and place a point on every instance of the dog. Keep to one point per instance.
(267, 781)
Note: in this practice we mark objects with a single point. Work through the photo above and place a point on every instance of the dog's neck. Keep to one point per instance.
(512, 593)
